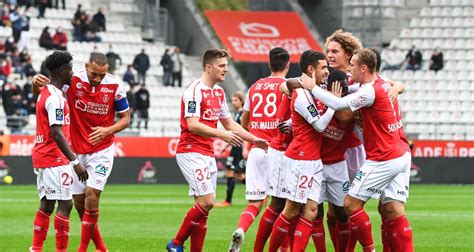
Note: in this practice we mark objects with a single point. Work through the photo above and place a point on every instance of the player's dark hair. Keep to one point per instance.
(379, 59)
(340, 76)
(56, 60)
(367, 57)
(310, 57)
(278, 58)
(212, 54)
(98, 58)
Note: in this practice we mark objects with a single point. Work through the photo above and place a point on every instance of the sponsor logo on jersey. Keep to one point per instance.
(358, 101)
(345, 186)
(100, 170)
(106, 90)
(192, 107)
(374, 190)
(59, 114)
(359, 175)
(312, 110)
(79, 85)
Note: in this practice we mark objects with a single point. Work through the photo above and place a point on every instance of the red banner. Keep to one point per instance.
(436, 148)
(158, 147)
(251, 34)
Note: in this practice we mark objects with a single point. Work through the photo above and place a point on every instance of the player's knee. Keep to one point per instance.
(64, 207)
(311, 211)
(351, 204)
(207, 204)
(393, 210)
(340, 214)
(47, 206)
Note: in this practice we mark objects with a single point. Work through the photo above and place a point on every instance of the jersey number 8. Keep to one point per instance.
(270, 107)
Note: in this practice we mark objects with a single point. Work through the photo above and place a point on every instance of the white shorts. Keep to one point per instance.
(256, 175)
(302, 179)
(55, 183)
(275, 161)
(375, 179)
(200, 171)
(355, 158)
(400, 186)
(99, 166)
(335, 183)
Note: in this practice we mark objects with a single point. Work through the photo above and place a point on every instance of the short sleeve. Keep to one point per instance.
(247, 101)
(305, 106)
(55, 108)
(120, 102)
(224, 110)
(364, 97)
(192, 98)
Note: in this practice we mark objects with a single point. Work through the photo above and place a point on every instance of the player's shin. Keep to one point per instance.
(198, 236)
(40, 230)
(265, 228)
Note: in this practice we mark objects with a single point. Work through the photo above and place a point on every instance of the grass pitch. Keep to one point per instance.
(146, 217)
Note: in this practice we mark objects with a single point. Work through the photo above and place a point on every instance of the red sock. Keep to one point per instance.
(40, 230)
(89, 222)
(331, 221)
(247, 216)
(360, 219)
(351, 244)
(279, 230)
(402, 234)
(190, 222)
(199, 235)
(265, 228)
(97, 239)
(291, 231)
(385, 230)
(286, 244)
(61, 225)
(318, 235)
(302, 233)
(343, 232)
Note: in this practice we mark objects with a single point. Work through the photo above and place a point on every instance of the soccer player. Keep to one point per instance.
(94, 97)
(259, 117)
(387, 157)
(235, 162)
(203, 104)
(301, 182)
(52, 157)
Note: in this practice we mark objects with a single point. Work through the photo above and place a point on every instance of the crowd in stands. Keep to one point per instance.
(394, 59)
(172, 64)
(87, 29)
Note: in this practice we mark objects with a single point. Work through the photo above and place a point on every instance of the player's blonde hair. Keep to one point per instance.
(348, 42)
(367, 57)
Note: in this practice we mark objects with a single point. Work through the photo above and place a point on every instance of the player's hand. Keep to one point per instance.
(284, 89)
(40, 80)
(308, 82)
(336, 89)
(245, 153)
(285, 126)
(260, 143)
(232, 138)
(81, 172)
(98, 134)
(393, 94)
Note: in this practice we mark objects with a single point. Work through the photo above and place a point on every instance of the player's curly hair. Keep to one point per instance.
(348, 42)
(57, 59)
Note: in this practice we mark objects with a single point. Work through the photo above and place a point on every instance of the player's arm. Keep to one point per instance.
(231, 125)
(196, 127)
(396, 89)
(292, 84)
(307, 109)
(245, 119)
(346, 116)
(38, 82)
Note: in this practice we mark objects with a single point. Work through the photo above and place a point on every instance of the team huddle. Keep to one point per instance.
(336, 137)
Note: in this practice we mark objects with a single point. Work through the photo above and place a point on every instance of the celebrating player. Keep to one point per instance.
(386, 155)
(301, 183)
(235, 162)
(94, 97)
(52, 157)
(203, 104)
(259, 117)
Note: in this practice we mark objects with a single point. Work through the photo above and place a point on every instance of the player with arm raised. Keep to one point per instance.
(387, 157)
(95, 97)
(203, 104)
(303, 173)
(52, 158)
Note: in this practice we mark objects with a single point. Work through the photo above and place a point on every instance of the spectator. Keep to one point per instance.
(132, 102)
(28, 69)
(78, 13)
(13, 106)
(5, 67)
(16, 63)
(10, 44)
(392, 59)
(57, 4)
(60, 39)
(4, 12)
(143, 104)
(25, 35)
(141, 63)
(92, 36)
(84, 27)
(128, 76)
(76, 24)
(437, 61)
(99, 19)
(42, 4)
(167, 64)
(177, 67)
(16, 22)
(45, 39)
(114, 60)
(413, 59)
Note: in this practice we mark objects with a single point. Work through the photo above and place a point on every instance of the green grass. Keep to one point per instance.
(146, 217)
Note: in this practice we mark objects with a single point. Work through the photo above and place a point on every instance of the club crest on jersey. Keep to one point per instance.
(59, 115)
(312, 110)
(192, 107)
(79, 85)
(106, 98)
